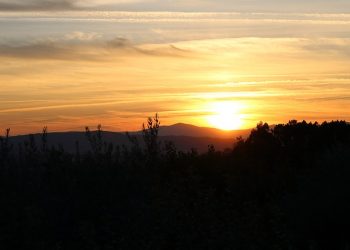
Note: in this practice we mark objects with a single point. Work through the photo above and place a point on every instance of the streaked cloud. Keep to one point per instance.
(180, 5)
(83, 46)
(227, 5)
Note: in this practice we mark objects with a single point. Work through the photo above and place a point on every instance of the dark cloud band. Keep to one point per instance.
(37, 5)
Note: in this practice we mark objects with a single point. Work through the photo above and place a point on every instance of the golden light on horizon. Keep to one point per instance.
(115, 72)
(226, 115)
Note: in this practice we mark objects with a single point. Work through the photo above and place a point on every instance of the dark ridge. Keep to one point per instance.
(184, 136)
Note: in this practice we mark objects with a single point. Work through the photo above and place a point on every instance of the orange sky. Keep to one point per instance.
(229, 70)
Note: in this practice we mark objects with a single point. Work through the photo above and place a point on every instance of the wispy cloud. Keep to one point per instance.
(83, 46)
(222, 5)
(31, 5)
(179, 5)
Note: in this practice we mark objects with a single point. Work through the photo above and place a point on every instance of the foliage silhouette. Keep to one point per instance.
(150, 137)
(284, 187)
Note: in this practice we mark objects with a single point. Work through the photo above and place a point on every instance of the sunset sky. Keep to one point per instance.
(229, 64)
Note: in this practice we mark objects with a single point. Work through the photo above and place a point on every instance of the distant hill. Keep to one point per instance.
(184, 136)
(181, 129)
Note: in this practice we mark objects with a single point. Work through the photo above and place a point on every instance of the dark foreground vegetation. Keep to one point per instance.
(281, 188)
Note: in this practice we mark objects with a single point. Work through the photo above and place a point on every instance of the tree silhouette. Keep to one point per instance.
(150, 136)
(5, 147)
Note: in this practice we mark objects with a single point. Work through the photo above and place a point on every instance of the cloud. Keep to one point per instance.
(85, 46)
(179, 5)
(225, 5)
(41, 50)
(30, 5)
(337, 47)
(82, 36)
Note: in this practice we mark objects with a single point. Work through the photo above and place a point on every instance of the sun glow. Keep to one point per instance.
(225, 115)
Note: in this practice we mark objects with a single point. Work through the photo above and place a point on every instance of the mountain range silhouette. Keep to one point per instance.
(184, 136)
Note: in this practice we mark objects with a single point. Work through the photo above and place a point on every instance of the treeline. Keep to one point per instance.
(284, 187)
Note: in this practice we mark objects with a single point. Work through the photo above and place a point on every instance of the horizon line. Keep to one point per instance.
(171, 125)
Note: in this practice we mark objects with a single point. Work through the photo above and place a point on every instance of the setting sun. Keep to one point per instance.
(226, 115)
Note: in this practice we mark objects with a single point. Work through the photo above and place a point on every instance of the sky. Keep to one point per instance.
(68, 64)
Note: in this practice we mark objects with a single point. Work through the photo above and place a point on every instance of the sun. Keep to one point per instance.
(225, 115)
